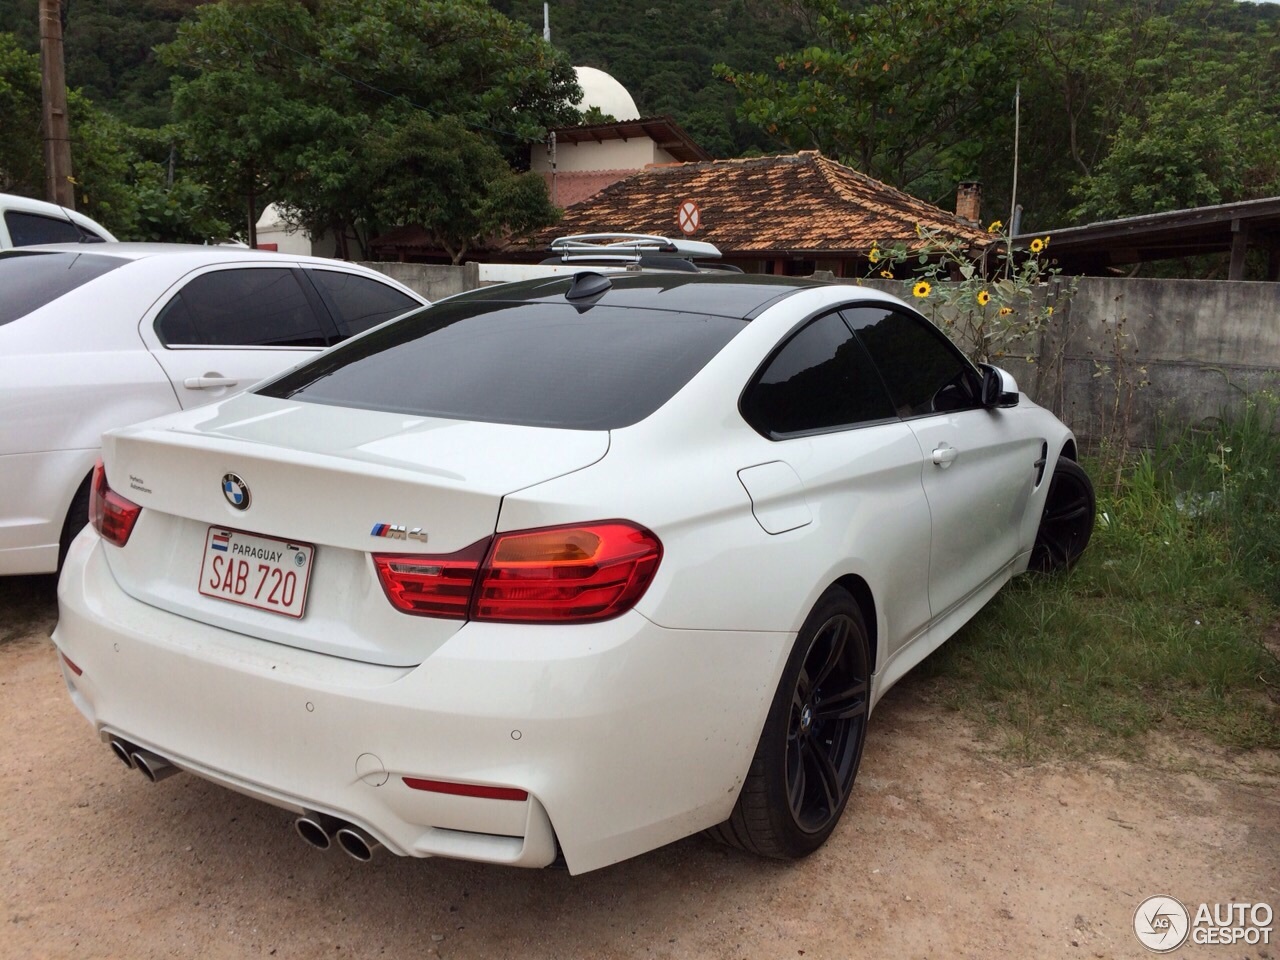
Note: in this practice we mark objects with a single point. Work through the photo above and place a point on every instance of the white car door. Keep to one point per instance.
(836, 439)
(223, 328)
(978, 468)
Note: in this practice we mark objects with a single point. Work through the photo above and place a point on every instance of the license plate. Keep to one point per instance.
(260, 572)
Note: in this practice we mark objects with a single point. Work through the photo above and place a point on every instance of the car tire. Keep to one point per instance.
(1067, 521)
(77, 517)
(808, 755)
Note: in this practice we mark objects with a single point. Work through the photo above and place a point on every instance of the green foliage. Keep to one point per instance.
(900, 91)
(21, 159)
(119, 177)
(453, 183)
(663, 52)
(989, 305)
(301, 104)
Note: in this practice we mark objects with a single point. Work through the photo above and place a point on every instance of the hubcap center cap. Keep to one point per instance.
(806, 718)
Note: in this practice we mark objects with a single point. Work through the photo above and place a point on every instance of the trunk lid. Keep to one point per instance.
(325, 476)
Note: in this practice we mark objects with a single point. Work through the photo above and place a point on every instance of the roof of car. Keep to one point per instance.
(729, 295)
(200, 253)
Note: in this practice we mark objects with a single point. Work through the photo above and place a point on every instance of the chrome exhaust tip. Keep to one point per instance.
(123, 751)
(356, 844)
(153, 767)
(317, 830)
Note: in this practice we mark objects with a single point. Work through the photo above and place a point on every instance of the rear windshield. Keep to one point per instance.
(540, 364)
(30, 279)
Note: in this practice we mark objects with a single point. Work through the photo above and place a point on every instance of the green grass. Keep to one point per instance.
(1160, 625)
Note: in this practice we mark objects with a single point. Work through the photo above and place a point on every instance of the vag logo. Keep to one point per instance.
(396, 531)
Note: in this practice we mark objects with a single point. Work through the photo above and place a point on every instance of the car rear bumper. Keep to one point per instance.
(626, 735)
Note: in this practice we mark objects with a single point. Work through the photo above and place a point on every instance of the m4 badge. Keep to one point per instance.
(396, 531)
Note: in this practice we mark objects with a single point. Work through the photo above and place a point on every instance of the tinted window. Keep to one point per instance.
(247, 307)
(820, 379)
(30, 280)
(360, 302)
(924, 372)
(538, 364)
(28, 229)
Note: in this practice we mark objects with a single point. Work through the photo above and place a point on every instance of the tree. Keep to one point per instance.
(285, 101)
(458, 187)
(900, 91)
(121, 178)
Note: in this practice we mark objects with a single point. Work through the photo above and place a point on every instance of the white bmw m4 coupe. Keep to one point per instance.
(570, 567)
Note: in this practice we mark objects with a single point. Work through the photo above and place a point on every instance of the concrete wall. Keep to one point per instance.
(606, 155)
(1138, 350)
(432, 280)
(1120, 355)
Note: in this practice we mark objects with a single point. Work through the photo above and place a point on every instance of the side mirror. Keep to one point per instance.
(999, 389)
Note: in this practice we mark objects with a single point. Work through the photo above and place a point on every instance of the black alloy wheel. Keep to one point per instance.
(805, 764)
(1067, 521)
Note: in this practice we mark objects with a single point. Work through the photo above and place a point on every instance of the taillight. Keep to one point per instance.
(569, 574)
(111, 514)
(438, 586)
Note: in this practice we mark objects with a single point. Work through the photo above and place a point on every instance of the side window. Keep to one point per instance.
(28, 229)
(820, 379)
(923, 370)
(262, 307)
(360, 302)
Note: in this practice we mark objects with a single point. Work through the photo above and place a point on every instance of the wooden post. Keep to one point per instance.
(1239, 246)
(57, 130)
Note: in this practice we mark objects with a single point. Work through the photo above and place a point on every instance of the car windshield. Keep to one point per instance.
(533, 364)
(31, 278)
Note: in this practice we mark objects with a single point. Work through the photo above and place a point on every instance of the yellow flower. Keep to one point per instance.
(983, 298)
(887, 274)
(1005, 311)
(996, 227)
(874, 255)
(1037, 245)
(1051, 311)
(921, 289)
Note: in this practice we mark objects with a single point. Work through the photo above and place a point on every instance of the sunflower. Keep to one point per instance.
(921, 289)
(1050, 312)
(887, 274)
(983, 298)
(1005, 311)
(996, 226)
(874, 255)
(1037, 245)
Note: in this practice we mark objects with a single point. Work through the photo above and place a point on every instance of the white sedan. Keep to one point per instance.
(104, 335)
(576, 566)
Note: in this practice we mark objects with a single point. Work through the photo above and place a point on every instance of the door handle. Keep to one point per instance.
(208, 383)
(944, 454)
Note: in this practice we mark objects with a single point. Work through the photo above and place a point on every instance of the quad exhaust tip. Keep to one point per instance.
(356, 844)
(316, 829)
(322, 831)
(154, 768)
(123, 751)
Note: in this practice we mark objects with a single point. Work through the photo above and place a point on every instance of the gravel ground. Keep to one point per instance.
(946, 850)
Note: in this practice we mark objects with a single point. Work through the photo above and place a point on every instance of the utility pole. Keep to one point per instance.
(58, 187)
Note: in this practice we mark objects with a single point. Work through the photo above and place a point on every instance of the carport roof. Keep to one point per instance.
(1161, 236)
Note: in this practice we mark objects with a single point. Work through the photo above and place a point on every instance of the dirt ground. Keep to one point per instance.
(946, 851)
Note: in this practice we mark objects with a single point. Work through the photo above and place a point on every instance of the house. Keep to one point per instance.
(790, 214)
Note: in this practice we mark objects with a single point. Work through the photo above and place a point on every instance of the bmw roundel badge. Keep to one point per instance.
(236, 491)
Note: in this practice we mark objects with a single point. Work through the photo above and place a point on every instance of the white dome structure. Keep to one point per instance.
(604, 92)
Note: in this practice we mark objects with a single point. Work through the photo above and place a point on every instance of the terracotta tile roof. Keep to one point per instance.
(798, 203)
(578, 185)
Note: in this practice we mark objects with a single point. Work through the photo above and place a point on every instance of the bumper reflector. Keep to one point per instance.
(466, 789)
